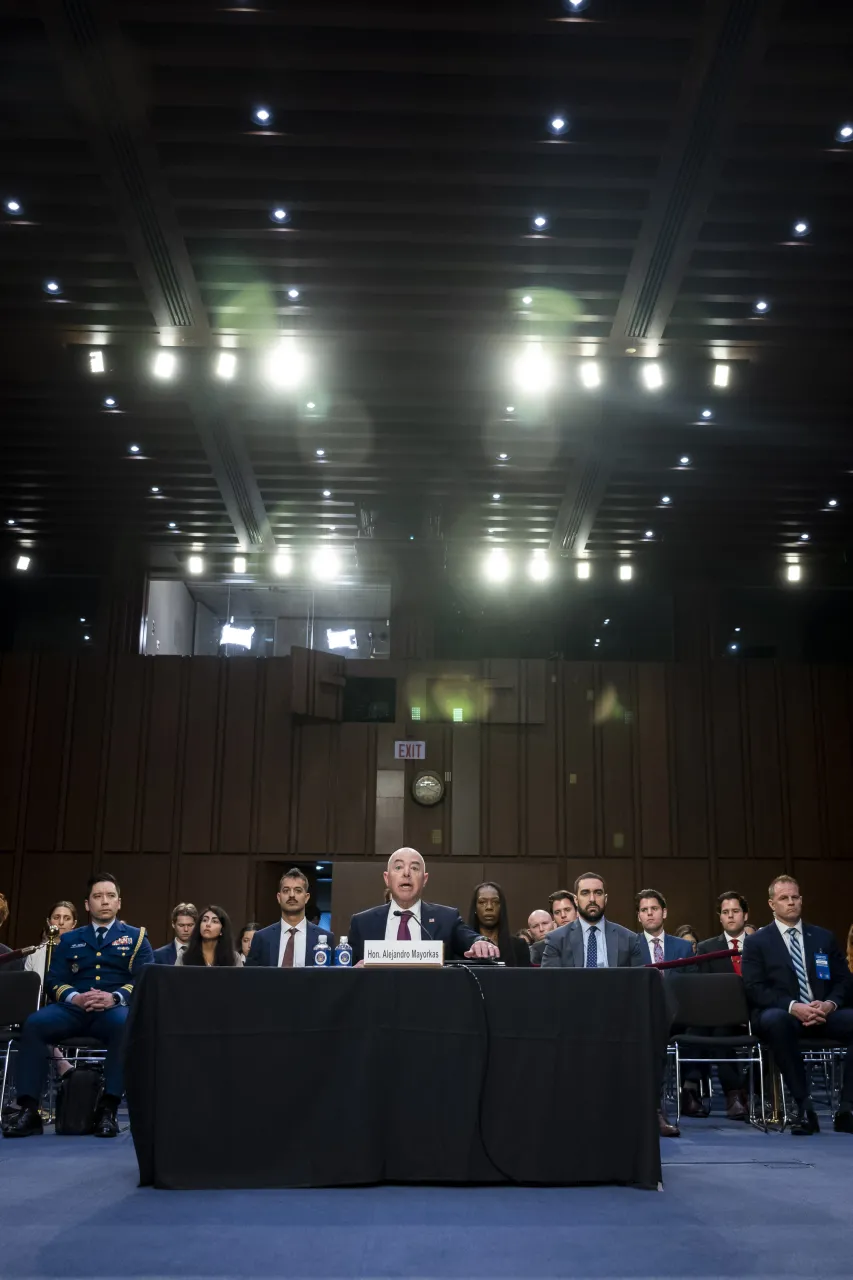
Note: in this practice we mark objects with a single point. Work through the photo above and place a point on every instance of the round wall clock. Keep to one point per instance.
(428, 789)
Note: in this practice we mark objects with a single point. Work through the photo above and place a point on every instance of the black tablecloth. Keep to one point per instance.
(271, 1078)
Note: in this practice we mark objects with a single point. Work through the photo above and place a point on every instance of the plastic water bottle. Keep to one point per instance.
(343, 953)
(323, 953)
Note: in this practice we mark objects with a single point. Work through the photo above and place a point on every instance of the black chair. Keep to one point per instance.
(19, 997)
(713, 1000)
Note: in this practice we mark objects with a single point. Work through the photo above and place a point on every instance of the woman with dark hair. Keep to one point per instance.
(63, 917)
(687, 931)
(489, 916)
(211, 941)
(244, 941)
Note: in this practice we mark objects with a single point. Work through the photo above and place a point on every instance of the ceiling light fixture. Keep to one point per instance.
(666, 500)
(110, 402)
(626, 572)
(793, 573)
(293, 294)
(172, 524)
(279, 215)
(496, 497)
(53, 287)
(502, 457)
(510, 408)
(652, 375)
(800, 228)
(539, 569)
(96, 362)
(761, 307)
(133, 448)
(497, 566)
(558, 125)
(321, 453)
(262, 116)
(684, 460)
(327, 493)
(707, 414)
(310, 405)
(527, 300)
(590, 374)
(286, 364)
(226, 365)
(22, 564)
(540, 222)
(13, 207)
(283, 564)
(155, 488)
(239, 564)
(833, 502)
(325, 564)
(844, 133)
(583, 569)
(575, 6)
(10, 521)
(164, 365)
(804, 537)
(649, 533)
(533, 370)
(721, 375)
(196, 564)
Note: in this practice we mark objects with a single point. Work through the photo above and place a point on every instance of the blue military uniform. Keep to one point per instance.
(83, 961)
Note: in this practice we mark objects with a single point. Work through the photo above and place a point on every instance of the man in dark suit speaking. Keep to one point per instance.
(797, 981)
(407, 918)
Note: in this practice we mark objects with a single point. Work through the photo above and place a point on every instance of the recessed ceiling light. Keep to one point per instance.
(737, 629)
(558, 124)
(794, 573)
(155, 488)
(327, 493)
(684, 460)
(707, 413)
(239, 564)
(226, 365)
(626, 572)
(804, 537)
(196, 564)
(321, 453)
(761, 307)
(575, 6)
(496, 497)
(53, 287)
(800, 228)
(286, 364)
(666, 500)
(172, 524)
(283, 564)
(590, 375)
(10, 521)
(526, 300)
(13, 206)
(844, 133)
(510, 408)
(293, 293)
(325, 564)
(164, 364)
(540, 222)
(87, 637)
(23, 564)
(133, 448)
(497, 566)
(502, 457)
(649, 533)
(582, 568)
(652, 375)
(310, 405)
(733, 647)
(110, 402)
(533, 371)
(606, 622)
(538, 568)
(96, 362)
(721, 375)
(82, 619)
(279, 215)
(262, 116)
(833, 502)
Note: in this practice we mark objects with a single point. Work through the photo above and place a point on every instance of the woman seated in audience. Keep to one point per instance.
(488, 915)
(687, 931)
(211, 941)
(244, 941)
(62, 916)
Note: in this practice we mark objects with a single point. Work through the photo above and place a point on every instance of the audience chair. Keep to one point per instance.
(714, 1000)
(19, 997)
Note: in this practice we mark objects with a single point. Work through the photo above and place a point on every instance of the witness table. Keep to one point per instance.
(309, 1078)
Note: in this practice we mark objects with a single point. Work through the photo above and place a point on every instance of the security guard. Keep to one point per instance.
(91, 979)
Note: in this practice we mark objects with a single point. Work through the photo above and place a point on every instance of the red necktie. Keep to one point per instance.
(289, 948)
(736, 956)
(403, 934)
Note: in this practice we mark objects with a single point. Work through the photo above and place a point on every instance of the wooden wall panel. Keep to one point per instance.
(501, 776)
(726, 730)
(453, 882)
(124, 753)
(766, 775)
(354, 790)
(686, 886)
(525, 884)
(834, 714)
(579, 763)
(144, 881)
(85, 750)
(654, 764)
(615, 732)
(219, 879)
(425, 828)
(162, 755)
(806, 834)
(16, 672)
(313, 797)
(749, 876)
(201, 755)
(466, 790)
(274, 759)
(689, 759)
(45, 784)
(542, 779)
(238, 757)
(827, 889)
(46, 877)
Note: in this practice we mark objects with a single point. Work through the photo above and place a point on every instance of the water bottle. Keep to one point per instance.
(323, 953)
(343, 953)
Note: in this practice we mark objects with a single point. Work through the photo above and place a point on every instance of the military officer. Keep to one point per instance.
(91, 978)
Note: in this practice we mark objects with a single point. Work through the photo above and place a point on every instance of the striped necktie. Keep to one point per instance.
(799, 965)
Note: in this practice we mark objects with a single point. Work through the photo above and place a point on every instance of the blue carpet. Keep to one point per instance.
(736, 1203)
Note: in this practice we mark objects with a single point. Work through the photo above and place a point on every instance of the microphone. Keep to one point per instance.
(424, 930)
(8, 956)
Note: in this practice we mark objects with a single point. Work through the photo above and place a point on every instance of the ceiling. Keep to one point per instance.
(412, 146)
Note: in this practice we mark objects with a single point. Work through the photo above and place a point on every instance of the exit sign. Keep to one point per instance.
(410, 751)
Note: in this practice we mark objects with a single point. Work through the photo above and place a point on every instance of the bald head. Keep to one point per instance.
(539, 923)
(406, 877)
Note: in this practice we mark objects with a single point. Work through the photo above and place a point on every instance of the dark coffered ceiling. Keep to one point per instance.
(412, 146)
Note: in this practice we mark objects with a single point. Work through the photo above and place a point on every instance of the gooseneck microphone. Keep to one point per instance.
(424, 930)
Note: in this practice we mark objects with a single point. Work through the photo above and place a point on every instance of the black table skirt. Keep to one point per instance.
(265, 1078)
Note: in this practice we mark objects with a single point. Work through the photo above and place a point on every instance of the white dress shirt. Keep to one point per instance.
(35, 963)
(300, 940)
(393, 922)
(739, 938)
(651, 940)
(180, 948)
(600, 940)
(783, 929)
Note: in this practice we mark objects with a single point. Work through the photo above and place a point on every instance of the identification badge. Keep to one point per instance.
(821, 963)
(75, 967)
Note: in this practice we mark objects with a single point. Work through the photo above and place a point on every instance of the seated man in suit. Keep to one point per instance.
(733, 910)
(651, 913)
(290, 942)
(797, 981)
(407, 918)
(184, 917)
(564, 910)
(593, 942)
(91, 978)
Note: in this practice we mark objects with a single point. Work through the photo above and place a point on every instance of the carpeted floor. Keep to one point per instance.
(736, 1203)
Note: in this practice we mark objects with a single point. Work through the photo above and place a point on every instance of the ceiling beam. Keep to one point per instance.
(103, 86)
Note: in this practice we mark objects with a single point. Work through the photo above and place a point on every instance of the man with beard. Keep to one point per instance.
(407, 918)
(594, 942)
(290, 942)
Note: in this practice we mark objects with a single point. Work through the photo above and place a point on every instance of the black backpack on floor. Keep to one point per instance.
(77, 1100)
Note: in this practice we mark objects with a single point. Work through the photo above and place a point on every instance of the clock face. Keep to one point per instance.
(427, 788)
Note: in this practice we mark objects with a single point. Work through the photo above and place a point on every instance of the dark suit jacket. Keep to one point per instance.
(564, 947)
(537, 951)
(719, 943)
(441, 924)
(167, 954)
(13, 966)
(768, 971)
(673, 948)
(266, 943)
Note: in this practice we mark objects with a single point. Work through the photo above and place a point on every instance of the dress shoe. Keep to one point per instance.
(23, 1124)
(106, 1125)
(667, 1130)
(805, 1121)
(843, 1122)
(691, 1104)
(735, 1110)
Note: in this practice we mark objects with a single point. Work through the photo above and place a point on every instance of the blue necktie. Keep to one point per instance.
(100, 934)
(592, 948)
(799, 966)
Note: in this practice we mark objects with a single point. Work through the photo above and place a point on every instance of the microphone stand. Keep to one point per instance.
(52, 939)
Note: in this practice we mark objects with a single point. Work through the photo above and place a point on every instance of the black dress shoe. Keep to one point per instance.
(691, 1104)
(843, 1122)
(106, 1125)
(805, 1122)
(24, 1124)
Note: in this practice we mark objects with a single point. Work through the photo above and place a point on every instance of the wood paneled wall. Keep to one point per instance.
(191, 778)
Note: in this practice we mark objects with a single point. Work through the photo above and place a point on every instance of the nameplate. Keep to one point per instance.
(409, 955)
